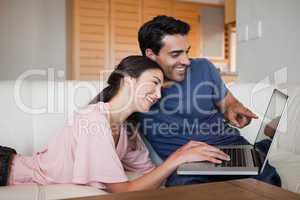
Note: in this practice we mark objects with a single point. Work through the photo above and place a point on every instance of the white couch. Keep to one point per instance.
(51, 103)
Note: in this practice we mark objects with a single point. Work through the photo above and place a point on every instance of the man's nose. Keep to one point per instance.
(185, 60)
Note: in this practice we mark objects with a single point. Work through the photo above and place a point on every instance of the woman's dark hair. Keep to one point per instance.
(152, 32)
(132, 66)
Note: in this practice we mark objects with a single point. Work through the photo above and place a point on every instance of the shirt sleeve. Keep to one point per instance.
(95, 156)
(137, 158)
(220, 89)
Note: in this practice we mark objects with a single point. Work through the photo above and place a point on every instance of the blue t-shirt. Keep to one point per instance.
(187, 111)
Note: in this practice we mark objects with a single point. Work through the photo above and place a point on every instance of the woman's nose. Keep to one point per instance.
(158, 93)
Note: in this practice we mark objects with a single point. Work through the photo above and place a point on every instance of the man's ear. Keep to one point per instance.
(150, 54)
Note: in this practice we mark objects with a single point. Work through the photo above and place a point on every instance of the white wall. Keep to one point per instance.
(32, 36)
(279, 47)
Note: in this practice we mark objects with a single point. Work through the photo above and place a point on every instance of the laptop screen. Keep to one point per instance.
(270, 122)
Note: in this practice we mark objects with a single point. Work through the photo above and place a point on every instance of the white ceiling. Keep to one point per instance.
(207, 1)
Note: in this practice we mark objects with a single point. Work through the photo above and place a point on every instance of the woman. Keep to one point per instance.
(102, 140)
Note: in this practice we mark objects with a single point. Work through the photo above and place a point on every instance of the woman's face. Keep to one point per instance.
(148, 89)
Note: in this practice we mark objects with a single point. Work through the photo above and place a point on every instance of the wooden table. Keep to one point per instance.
(249, 189)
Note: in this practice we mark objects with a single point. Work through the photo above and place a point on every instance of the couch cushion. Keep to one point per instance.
(289, 140)
(63, 191)
(287, 165)
(36, 192)
(30, 192)
(57, 191)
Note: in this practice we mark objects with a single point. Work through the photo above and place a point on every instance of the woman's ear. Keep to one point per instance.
(150, 54)
(128, 80)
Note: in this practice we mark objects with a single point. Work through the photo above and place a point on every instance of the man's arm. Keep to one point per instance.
(234, 112)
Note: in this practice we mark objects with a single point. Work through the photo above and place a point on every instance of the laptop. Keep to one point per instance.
(245, 159)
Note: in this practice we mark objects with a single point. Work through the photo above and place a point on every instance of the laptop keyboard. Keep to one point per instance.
(237, 158)
(257, 160)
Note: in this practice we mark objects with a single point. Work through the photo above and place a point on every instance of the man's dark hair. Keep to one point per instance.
(152, 32)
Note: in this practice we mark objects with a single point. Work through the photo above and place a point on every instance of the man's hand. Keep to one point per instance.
(238, 115)
(234, 112)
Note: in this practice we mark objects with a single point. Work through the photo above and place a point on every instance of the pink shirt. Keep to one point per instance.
(84, 152)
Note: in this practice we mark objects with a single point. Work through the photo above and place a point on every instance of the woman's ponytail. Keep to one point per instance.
(111, 90)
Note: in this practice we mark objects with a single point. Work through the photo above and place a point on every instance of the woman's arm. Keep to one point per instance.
(193, 151)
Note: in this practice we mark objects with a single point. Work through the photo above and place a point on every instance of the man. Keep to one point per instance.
(195, 103)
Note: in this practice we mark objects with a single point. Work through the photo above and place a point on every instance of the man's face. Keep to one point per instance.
(173, 57)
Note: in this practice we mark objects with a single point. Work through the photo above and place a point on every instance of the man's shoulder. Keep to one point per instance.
(202, 65)
(199, 61)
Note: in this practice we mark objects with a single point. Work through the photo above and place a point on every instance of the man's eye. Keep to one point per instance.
(175, 55)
